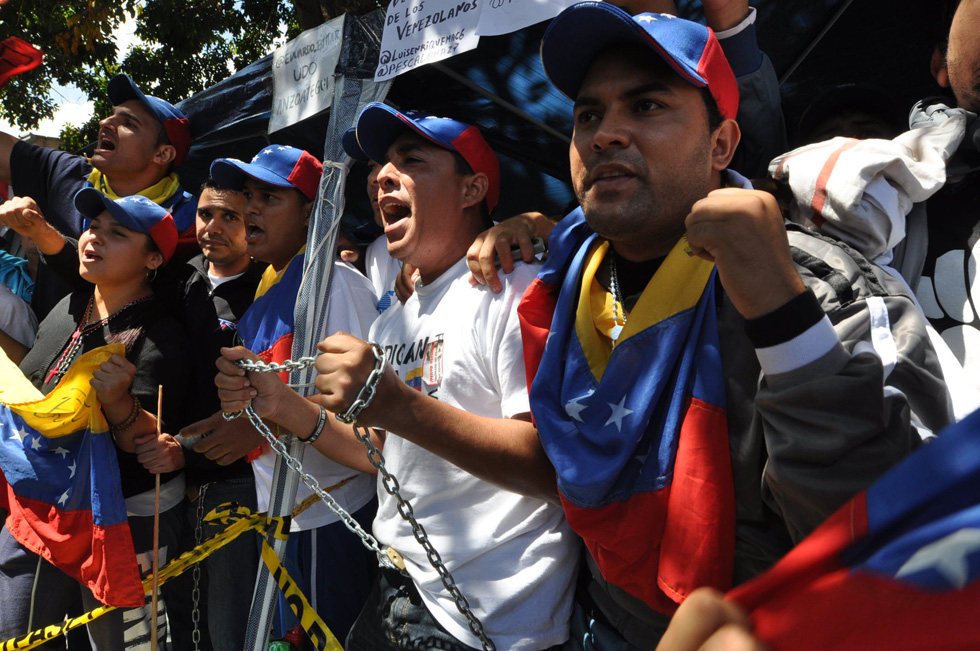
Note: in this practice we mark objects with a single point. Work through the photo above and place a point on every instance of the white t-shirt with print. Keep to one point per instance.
(382, 270)
(513, 557)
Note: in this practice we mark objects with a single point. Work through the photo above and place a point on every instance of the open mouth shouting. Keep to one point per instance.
(253, 232)
(105, 142)
(393, 212)
(90, 256)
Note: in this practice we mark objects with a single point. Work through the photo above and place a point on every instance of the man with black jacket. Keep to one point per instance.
(216, 288)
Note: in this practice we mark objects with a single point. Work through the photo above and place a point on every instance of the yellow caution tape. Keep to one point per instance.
(239, 520)
(322, 637)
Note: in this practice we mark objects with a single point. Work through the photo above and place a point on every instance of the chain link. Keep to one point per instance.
(196, 592)
(369, 541)
(405, 510)
(388, 480)
(366, 394)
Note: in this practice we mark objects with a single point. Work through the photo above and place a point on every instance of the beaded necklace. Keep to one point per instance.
(84, 328)
(617, 298)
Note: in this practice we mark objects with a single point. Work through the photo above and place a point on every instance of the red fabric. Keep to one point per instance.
(102, 558)
(809, 601)
(17, 56)
(535, 312)
(306, 175)
(664, 531)
(280, 352)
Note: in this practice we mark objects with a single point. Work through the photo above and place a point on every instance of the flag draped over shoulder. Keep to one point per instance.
(266, 328)
(267, 325)
(637, 432)
(898, 567)
(60, 482)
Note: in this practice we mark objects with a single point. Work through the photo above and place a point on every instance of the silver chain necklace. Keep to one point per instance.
(617, 299)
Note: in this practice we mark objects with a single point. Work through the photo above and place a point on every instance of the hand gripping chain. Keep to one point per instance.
(390, 483)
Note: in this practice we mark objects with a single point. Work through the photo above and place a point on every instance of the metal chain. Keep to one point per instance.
(287, 366)
(196, 592)
(369, 541)
(388, 480)
(405, 510)
(366, 394)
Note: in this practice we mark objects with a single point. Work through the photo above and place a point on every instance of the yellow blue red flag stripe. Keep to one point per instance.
(637, 433)
(61, 484)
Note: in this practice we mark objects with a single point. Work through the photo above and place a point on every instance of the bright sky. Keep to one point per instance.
(73, 105)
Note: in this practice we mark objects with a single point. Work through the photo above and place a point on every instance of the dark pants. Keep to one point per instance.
(226, 578)
(395, 619)
(35, 593)
(334, 571)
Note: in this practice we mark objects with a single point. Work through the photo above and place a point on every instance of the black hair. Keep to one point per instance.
(211, 183)
(711, 107)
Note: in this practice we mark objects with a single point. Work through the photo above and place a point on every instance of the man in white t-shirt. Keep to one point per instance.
(280, 185)
(451, 411)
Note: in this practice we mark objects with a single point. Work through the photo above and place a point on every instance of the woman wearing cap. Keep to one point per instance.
(126, 241)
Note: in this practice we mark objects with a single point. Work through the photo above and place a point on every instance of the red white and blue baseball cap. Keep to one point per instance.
(379, 125)
(135, 213)
(178, 127)
(279, 165)
(581, 32)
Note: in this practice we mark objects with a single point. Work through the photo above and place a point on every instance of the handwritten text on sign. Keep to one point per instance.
(424, 31)
(302, 74)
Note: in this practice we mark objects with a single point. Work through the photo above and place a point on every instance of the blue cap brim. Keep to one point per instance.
(379, 125)
(349, 142)
(592, 27)
(91, 203)
(231, 173)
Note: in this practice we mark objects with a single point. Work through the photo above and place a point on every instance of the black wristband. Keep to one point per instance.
(790, 320)
(320, 422)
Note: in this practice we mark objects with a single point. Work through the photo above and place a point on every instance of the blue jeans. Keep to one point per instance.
(334, 571)
(35, 593)
(395, 619)
(227, 577)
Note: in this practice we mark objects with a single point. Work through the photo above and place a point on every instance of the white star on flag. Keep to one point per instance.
(574, 407)
(60, 450)
(267, 152)
(72, 468)
(948, 556)
(22, 433)
(36, 443)
(647, 19)
(619, 412)
(281, 149)
(63, 498)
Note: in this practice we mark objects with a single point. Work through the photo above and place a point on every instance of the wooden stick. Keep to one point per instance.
(156, 536)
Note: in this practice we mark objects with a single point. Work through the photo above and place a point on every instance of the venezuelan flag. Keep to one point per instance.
(267, 325)
(897, 567)
(266, 328)
(60, 481)
(637, 432)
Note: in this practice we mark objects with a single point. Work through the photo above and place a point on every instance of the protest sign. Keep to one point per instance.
(506, 16)
(424, 31)
(302, 74)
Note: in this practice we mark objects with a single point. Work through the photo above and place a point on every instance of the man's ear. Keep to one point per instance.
(475, 188)
(724, 140)
(308, 211)
(937, 66)
(165, 154)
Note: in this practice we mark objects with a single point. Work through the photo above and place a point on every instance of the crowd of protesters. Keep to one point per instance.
(694, 381)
